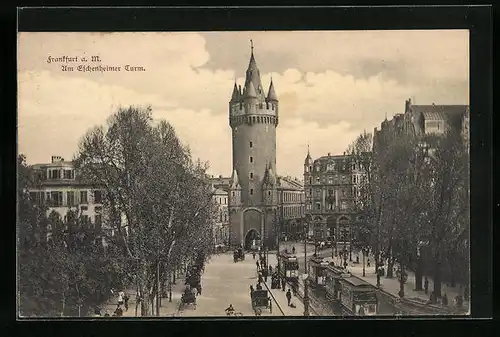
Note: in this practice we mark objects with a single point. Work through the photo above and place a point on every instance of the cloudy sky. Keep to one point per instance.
(331, 85)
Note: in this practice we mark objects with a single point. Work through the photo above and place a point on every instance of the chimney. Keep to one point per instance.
(56, 159)
(328, 154)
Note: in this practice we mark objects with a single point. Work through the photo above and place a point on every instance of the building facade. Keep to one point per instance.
(331, 186)
(254, 187)
(221, 228)
(61, 190)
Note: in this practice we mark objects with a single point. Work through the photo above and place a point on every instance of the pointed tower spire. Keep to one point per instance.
(308, 157)
(236, 94)
(234, 180)
(253, 75)
(271, 94)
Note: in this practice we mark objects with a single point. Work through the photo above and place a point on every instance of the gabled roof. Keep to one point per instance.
(286, 183)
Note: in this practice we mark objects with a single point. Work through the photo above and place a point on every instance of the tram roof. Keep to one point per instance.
(356, 282)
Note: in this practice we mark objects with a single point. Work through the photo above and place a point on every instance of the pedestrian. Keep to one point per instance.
(294, 288)
(426, 285)
(257, 264)
(118, 311)
(198, 289)
(259, 287)
(259, 276)
(251, 290)
(253, 255)
(264, 272)
(97, 312)
(270, 270)
(283, 283)
(293, 250)
(125, 299)
(288, 296)
(106, 314)
(121, 294)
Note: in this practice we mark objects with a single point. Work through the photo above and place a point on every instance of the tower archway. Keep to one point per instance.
(251, 237)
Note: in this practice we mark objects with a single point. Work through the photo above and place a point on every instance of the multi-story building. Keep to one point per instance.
(254, 187)
(331, 186)
(419, 120)
(221, 228)
(61, 189)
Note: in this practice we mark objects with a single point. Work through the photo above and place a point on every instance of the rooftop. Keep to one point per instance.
(356, 281)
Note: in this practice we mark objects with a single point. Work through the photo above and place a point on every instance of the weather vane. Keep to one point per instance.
(251, 44)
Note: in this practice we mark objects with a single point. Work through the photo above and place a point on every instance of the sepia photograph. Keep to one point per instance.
(243, 173)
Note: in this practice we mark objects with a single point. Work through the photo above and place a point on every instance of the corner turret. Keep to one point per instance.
(271, 94)
(236, 94)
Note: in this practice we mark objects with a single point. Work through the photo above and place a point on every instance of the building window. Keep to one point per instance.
(97, 197)
(310, 180)
(84, 208)
(225, 201)
(69, 174)
(268, 192)
(56, 199)
(55, 174)
(318, 206)
(251, 175)
(251, 191)
(233, 194)
(70, 196)
(83, 197)
(317, 180)
(251, 144)
(251, 159)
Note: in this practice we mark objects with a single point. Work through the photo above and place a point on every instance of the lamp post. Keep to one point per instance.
(306, 285)
(350, 243)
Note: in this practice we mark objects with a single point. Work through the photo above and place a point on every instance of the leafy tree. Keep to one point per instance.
(149, 178)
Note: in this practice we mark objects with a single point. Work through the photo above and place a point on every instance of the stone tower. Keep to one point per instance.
(253, 117)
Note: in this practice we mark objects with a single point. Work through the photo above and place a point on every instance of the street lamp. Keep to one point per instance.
(306, 285)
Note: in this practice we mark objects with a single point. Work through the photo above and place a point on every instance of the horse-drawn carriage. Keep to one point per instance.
(239, 255)
(188, 298)
(260, 299)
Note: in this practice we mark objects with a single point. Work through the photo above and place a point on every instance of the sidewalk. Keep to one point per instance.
(392, 285)
(280, 295)
(166, 309)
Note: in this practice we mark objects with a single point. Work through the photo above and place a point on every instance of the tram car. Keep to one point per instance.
(289, 266)
(333, 287)
(358, 297)
(316, 270)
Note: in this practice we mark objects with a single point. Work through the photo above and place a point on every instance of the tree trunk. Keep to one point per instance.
(402, 281)
(419, 273)
(158, 288)
(377, 266)
(390, 267)
(63, 304)
(437, 277)
(363, 252)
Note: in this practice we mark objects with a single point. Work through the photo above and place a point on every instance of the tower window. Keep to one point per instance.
(251, 159)
(251, 175)
(251, 191)
(251, 144)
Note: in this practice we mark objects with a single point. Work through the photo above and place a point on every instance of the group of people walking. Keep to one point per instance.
(122, 298)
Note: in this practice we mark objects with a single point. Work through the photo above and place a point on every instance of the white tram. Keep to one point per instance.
(289, 266)
(316, 268)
